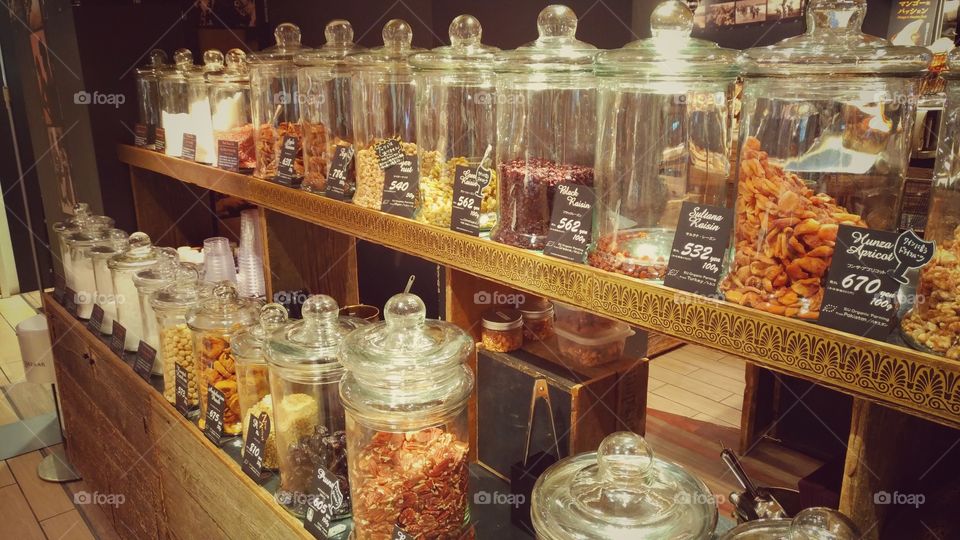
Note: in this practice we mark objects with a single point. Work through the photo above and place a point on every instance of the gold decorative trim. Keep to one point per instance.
(918, 383)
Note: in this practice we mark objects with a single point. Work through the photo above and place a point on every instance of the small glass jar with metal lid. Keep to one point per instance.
(405, 394)
(384, 108)
(114, 243)
(175, 116)
(171, 304)
(824, 141)
(230, 108)
(199, 123)
(538, 319)
(501, 329)
(305, 374)
(324, 82)
(253, 377)
(139, 255)
(148, 91)
(456, 123)
(546, 126)
(214, 322)
(621, 491)
(663, 140)
(809, 524)
(276, 101)
(147, 282)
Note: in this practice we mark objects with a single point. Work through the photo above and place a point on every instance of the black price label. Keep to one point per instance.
(861, 292)
(258, 430)
(189, 148)
(143, 363)
(699, 247)
(911, 251)
(59, 287)
(327, 497)
(95, 323)
(118, 338)
(70, 301)
(400, 534)
(160, 139)
(570, 222)
(286, 173)
(389, 153)
(338, 175)
(140, 135)
(228, 155)
(213, 422)
(181, 388)
(468, 187)
(400, 186)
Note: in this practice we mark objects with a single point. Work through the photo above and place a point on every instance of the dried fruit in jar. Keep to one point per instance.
(436, 194)
(315, 155)
(265, 406)
(934, 322)
(218, 368)
(243, 136)
(269, 143)
(611, 255)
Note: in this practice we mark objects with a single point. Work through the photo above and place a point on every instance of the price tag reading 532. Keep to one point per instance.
(701, 240)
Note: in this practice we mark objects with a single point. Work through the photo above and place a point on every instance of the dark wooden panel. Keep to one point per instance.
(173, 214)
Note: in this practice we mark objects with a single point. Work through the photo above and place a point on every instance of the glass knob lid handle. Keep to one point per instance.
(624, 458)
(671, 16)
(397, 34)
(235, 60)
(835, 15)
(287, 35)
(272, 317)
(557, 20)
(224, 293)
(465, 31)
(183, 58)
(212, 59)
(338, 32)
(404, 310)
(157, 57)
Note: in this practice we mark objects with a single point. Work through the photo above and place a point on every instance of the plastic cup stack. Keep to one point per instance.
(250, 280)
(218, 261)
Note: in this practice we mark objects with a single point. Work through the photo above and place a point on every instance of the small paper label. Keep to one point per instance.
(140, 135)
(468, 184)
(160, 139)
(389, 153)
(228, 155)
(571, 222)
(95, 323)
(118, 338)
(699, 247)
(286, 173)
(189, 151)
(143, 364)
(182, 388)
(70, 301)
(338, 175)
(258, 430)
(213, 423)
(400, 186)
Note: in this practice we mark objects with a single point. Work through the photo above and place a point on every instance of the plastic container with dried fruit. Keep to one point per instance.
(214, 323)
(230, 114)
(405, 393)
(456, 109)
(171, 304)
(664, 118)
(305, 375)
(148, 91)
(139, 255)
(580, 321)
(538, 319)
(501, 329)
(825, 133)
(591, 349)
(546, 118)
(276, 101)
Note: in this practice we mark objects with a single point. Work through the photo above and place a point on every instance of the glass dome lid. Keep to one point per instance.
(222, 309)
(809, 524)
(234, 68)
(621, 492)
(182, 67)
(113, 241)
(555, 50)
(834, 44)
(953, 64)
(316, 338)
(184, 292)
(394, 53)
(250, 343)
(140, 252)
(671, 51)
(156, 61)
(160, 274)
(339, 36)
(212, 63)
(287, 45)
(464, 52)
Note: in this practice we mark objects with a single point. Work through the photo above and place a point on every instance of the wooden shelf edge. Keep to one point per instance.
(914, 382)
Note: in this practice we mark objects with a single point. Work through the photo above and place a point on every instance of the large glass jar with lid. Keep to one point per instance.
(405, 394)
(199, 121)
(809, 524)
(326, 108)
(276, 102)
(147, 282)
(305, 374)
(148, 91)
(171, 304)
(546, 126)
(82, 219)
(81, 267)
(214, 322)
(175, 101)
(253, 377)
(384, 108)
(100, 254)
(230, 112)
(621, 491)
(457, 124)
(824, 141)
(663, 140)
(139, 255)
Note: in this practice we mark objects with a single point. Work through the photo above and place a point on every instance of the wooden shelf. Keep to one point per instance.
(920, 384)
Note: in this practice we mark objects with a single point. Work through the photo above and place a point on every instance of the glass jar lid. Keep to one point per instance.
(84, 237)
(502, 319)
(393, 54)
(182, 68)
(250, 344)
(156, 61)
(140, 253)
(212, 63)
(556, 50)
(159, 274)
(82, 219)
(535, 307)
(621, 491)
(316, 338)
(234, 70)
(223, 310)
(287, 45)
(809, 524)
(183, 293)
(834, 44)
(464, 52)
(339, 36)
(671, 51)
(114, 241)
(953, 65)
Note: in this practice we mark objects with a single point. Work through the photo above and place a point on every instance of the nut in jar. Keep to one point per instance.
(177, 349)
(934, 323)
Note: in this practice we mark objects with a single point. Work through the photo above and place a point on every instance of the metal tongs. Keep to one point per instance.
(756, 502)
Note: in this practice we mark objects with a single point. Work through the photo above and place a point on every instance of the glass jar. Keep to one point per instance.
(148, 91)
(81, 219)
(664, 139)
(405, 394)
(456, 120)
(305, 375)
(809, 524)
(199, 122)
(253, 377)
(139, 255)
(546, 126)
(100, 254)
(621, 491)
(276, 103)
(147, 282)
(537, 319)
(175, 101)
(213, 323)
(384, 107)
(230, 116)
(824, 141)
(81, 267)
(501, 330)
(324, 82)
(171, 304)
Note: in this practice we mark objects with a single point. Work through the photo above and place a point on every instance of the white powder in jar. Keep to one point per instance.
(85, 285)
(128, 310)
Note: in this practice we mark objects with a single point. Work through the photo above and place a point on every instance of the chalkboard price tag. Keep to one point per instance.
(59, 287)
(228, 155)
(699, 247)
(401, 183)
(468, 187)
(860, 296)
(286, 172)
(571, 222)
(389, 153)
(258, 430)
(327, 497)
(118, 338)
(189, 148)
(213, 422)
(338, 176)
(911, 251)
(160, 140)
(140, 135)
(181, 388)
(70, 301)
(143, 363)
(400, 534)
(96, 319)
